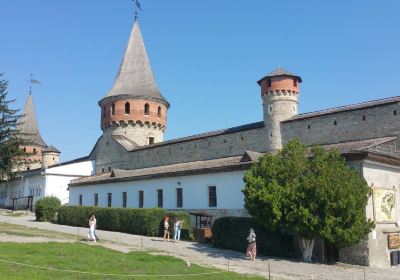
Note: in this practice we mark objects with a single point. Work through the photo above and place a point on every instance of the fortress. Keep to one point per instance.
(133, 167)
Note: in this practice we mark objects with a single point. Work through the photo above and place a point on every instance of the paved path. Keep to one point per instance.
(204, 254)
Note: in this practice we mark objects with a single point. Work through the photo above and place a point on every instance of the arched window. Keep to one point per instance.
(159, 111)
(24, 150)
(146, 108)
(113, 109)
(34, 151)
(127, 108)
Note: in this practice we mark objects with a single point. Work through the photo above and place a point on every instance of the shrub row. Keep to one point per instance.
(141, 221)
(231, 232)
(46, 208)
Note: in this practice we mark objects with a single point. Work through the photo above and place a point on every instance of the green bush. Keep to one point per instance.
(130, 220)
(46, 208)
(231, 232)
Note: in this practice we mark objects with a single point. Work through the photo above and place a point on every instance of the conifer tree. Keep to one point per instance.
(10, 137)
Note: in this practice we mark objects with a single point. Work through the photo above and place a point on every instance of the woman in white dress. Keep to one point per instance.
(92, 224)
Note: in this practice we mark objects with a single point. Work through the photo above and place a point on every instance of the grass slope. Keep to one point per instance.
(82, 257)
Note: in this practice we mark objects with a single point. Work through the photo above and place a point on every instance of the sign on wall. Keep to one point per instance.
(394, 241)
(384, 205)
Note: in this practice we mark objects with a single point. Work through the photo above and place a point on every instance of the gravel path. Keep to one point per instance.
(205, 254)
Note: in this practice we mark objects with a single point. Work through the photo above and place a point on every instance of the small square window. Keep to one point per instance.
(151, 140)
(364, 118)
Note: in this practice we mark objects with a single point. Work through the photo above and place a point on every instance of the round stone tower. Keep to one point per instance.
(279, 91)
(134, 110)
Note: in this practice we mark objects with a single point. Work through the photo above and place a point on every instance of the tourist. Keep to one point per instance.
(91, 236)
(251, 248)
(166, 226)
(178, 227)
(95, 226)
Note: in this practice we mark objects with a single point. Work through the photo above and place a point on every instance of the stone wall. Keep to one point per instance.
(180, 151)
(345, 126)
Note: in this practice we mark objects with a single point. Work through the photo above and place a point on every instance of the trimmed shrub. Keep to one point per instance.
(231, 233)
(46, 208)
(130, 220)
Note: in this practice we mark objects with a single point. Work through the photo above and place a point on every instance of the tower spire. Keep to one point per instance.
(135, 76)
(28, 125)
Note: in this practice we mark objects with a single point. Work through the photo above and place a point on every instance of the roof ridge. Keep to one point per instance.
(355, 106)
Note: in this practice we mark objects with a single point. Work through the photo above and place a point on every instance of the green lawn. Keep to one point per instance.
(18, 230)
(95, 259)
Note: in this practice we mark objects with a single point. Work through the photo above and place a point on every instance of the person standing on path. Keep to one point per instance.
(166, 226)
(178, 227)
(95, 226)
(251, 247)
(91, 236)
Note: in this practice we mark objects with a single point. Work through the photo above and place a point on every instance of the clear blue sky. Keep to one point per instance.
(206, 57)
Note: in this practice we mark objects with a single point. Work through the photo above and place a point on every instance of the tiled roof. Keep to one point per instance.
(358, 106)
(125, 142)
(135, 77)
(280, 72)
(28, 126)
(188, 168)
(222, 164)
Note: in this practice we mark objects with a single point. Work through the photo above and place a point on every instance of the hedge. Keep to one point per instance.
(231, 232)
(141, 221)
(46, 208)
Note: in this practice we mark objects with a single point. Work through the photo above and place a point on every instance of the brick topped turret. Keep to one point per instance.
(134, 107)
(279, 91)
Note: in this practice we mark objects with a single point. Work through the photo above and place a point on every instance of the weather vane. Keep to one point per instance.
(33, 81)
(137, 8)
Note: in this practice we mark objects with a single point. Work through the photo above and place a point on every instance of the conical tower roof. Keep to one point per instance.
(135, 77)
(28, 124)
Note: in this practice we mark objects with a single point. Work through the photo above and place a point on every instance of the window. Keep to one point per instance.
(146, 108)
(141, 196)
(24, 150)
(113, 109)
(109, 198)
(335, 123)
(96, 199)
(295, 82)
(102, 170)
(80, 200)
(364, 118)
(160, 198)
(34, 151)
(309, 126)
(109, 169)
(212, 196)
(179, 198)
(104, 112)
(124, 197)
(127, 108)
(394, 113)
(269, 82)
(151, 140)
(159, 111)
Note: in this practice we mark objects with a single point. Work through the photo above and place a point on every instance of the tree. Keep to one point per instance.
(10, 137)
(317, 196)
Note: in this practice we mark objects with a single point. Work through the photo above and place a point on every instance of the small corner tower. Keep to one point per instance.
(35, 145)
(134, 108)
(279, 91)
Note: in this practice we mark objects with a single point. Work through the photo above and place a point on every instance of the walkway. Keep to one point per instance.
(206, 255)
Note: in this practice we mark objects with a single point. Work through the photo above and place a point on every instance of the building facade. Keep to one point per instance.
(134, 167)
